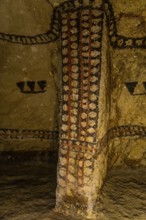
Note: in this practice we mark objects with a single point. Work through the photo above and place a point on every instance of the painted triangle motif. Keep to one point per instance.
(42, 84)
(31, 85)
(21, 86)
(131, 86)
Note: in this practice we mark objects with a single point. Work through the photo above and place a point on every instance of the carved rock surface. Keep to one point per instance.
(19, 63)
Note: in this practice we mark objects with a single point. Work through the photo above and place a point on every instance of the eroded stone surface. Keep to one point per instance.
(27, 191)
(103, 95)
(19, 63)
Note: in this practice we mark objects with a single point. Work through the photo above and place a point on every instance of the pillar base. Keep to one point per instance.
(79, 183)
(79, 211)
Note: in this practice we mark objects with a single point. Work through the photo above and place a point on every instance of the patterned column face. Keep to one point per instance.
(83, 158)
(82, 28)
(81, 56)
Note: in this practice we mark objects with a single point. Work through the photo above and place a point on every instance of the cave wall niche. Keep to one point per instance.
(102, 120)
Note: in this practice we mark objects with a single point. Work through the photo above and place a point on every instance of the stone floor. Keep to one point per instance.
(27, 191)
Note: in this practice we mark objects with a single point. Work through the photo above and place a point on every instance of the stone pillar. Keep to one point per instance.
(84, 112)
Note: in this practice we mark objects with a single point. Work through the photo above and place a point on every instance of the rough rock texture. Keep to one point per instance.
(120, 113)
(28, 192)
(102, 120)
(128, 65)
(19, 63)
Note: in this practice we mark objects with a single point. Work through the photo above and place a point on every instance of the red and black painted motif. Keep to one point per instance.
(126, 130)
(120, 131)
(80, 24)
(117, 40)
(81, 60)
(81, 36)
(16, 134)
(45, 38)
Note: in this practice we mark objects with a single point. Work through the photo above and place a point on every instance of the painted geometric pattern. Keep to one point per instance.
(80, 23)
(81, 60)
(114, 132)
(45, 38)
(117, 40)
(17, 134)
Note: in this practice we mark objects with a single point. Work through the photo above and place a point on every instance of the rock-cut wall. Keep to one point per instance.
(128, 85)
(30, 81)
(29, 85)
(102, 105)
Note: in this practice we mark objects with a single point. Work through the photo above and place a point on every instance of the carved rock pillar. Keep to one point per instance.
(84, 113)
